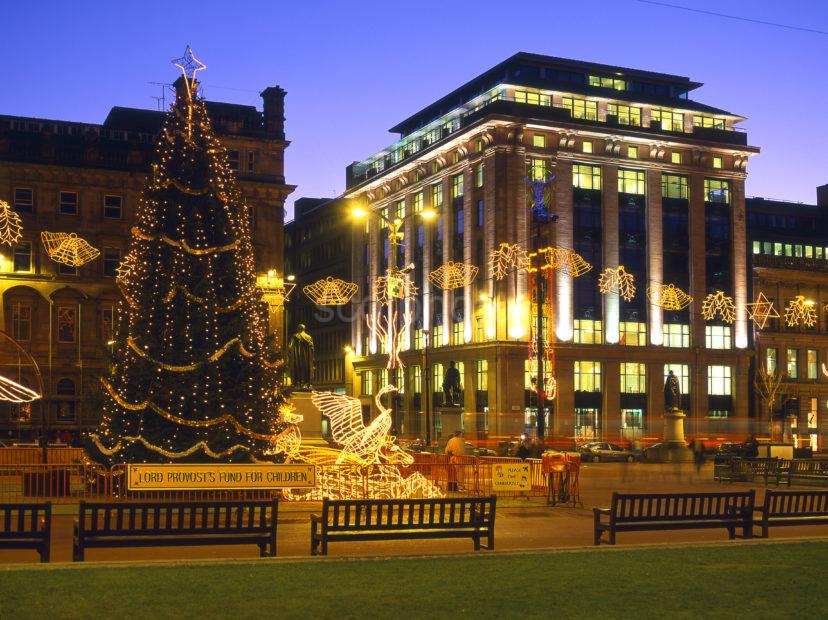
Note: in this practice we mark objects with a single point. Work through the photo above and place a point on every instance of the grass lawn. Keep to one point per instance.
(739, 581)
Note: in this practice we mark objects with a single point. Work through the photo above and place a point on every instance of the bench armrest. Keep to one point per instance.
(601, 511)
(315, 518)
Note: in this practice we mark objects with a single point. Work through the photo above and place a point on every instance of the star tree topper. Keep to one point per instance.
(189, 65)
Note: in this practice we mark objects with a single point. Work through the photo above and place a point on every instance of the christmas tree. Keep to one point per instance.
(190, 377)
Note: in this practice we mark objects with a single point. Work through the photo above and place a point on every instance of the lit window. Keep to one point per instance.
(708, 121)
(719, 382)
(586, 146)
(478, 176)
(770, 359)
(68, 203)
(717, 162)
(457, 185)
(437, 335)
(607, 82)
(112, 207)
(793, 363)
(682, 373)
(581, 108)
(813, 363)
(416, 380)
(675, 157)
(586, 331)
(24, 200)
(633, 378)
(457, 332)
(437, 378)
(632, 418)
(633, 334)
(367, 383)
(676, 335)
(667, 119)
(417, 202)
(631, 181)
(382, 380)
(632, 152)
(522, 96)
(674, 186)
(718, 337)
(587, 376)
(757, 247)
(67, 317)
(539, 141)
(437, 195)
(538, 170)
(624, 114)
(717, 190)
(586, 177)
(482, 372)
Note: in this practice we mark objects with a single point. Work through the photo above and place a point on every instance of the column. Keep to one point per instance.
(655, 254)
(468, 233)
(564, 236)
(609, 227)
(611, 393)
(698, 282)
(739, 243)
(448, 231)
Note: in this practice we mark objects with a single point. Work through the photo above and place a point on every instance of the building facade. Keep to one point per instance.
(64, 176)
(788, 249)
(645, 177)
(317, 246)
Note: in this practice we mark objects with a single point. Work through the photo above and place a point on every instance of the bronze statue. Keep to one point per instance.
(300, 359)
(672, 393)
(451, 386)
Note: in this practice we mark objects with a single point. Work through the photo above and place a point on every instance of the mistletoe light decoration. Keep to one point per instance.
(800, 311)
(395, 284)
(68, 248)
(617, 281)
(761, 310)
(668, 297)
(721, 304)
(11, 227)
(330, 291)
(452, 275)
(507, 257)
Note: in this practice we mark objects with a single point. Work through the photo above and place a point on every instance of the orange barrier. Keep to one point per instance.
(561, 470)
(34, 456)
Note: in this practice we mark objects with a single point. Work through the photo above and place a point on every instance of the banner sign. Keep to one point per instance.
(225, 477)
(511, 477)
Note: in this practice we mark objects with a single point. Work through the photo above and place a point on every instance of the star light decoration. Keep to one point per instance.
(330, 291)
(800, 311)
(761, 310)
(395, 284)
(189, 65)
(721, 304)
(452, 275)
(505, 258)
(68, 248)
(11, 227)
(617, 281)
(668, 297)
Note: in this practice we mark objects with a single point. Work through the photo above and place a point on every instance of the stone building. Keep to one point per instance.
(788, 253)
(64, 176)
(646, 177)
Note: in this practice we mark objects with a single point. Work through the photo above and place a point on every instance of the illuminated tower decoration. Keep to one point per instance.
(191, 379)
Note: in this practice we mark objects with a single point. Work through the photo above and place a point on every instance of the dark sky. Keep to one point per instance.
(354, 69)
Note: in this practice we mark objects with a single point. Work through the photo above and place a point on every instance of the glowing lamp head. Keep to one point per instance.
(348, 349)
(358, 212)
(290, 278)
(428, 214)
(485, 297)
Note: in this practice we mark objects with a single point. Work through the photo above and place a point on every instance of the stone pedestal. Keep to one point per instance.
(673, 448)
(451, 420)
(311, 424)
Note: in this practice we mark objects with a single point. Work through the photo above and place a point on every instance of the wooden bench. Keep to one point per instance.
(753, 469)
(638, 512)
(792, 508)
(403, 519)
(26, 526)
(166, 524)
(808, 471)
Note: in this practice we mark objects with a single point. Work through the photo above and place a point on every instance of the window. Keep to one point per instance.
(23, 257)
(457, 185)
(717, 162)
(65, 387)
(251, 161)
(633, 378)
(586, 177)
(437, 378)
(417, 202)
(68, 203)
(717, 190)
(22, 321)
(23, 200)
(682, 373)
(719, 381)
(757, 247)
(418, 339)
(667, 119)
(538, 170)
(812, 359)
(632, 418)
(631, 181)
(632, 152)
(625, 114)
(67, 270)
(437, 336)
(676, 335)
(793, 363)
(233, 160)
(478, 175)
(455, 157)
(771, 354)
(633, 334)
(112, 207)
(586, 146)
(674, 186)
(539, 141)
(437, 195)
(480, 212)
(481, 370)
(522, 96)
(457, 332)
(581, 108)
(607, 82)
(67, 323)
(111, 260)
(718, 337)
(587, 376)
(586, 331)
(367, 383)
(675, 157)
(416, 379)
(709, 121)
(107, 324)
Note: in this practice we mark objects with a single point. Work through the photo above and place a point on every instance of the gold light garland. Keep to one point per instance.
(330, 291)
(721, 304)
(394, 284)
(761, 310)
(617, 281)
(11, 226)
(506, 257)
(170, 454)
(453, 275)
(668, 297)
(68, 248)
(183, 245)
(186, 367)
(800, 311)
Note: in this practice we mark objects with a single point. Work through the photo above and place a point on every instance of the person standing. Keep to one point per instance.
(455, 449)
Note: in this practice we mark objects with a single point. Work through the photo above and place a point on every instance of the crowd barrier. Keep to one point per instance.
(32, 455)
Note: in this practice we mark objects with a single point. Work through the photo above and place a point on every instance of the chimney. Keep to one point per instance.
(181, 87)
(822, 195)
(273, 104)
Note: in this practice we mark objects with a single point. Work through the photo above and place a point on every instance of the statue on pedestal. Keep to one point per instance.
(300, 359)
(451, 386)
(672, 393)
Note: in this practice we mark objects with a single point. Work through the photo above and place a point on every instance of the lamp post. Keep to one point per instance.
(395, 238)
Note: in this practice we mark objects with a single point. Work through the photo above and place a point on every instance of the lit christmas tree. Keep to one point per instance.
(190, 379)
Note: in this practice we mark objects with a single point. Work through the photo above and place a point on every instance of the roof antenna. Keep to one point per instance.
(161, 102)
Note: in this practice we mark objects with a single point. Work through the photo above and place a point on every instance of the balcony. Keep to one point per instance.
(790, 262)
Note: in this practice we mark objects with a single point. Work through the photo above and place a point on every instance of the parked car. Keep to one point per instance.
(597, 451)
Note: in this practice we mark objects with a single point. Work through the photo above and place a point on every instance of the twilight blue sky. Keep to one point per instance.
(354, 69)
